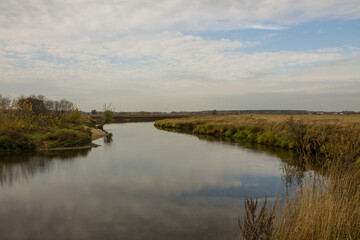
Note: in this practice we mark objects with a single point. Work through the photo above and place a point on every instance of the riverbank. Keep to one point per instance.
(95, 134)
(64, 139)
(35, 123)
(325, 204)
(309, 135)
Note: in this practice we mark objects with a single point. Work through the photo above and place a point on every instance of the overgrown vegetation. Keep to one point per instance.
(99, 120)
(34, 122)
(325, 204)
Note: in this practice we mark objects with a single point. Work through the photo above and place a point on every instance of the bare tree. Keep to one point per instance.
(4, 102)
(108, 113)
(66, 106)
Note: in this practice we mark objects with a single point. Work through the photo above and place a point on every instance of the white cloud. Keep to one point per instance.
(69, 19)
(137, 48)
(160, 63)
(156, 56)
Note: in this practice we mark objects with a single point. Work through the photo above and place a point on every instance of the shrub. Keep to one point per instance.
(11, 140)
(69, 138)
(74, 116)
(240, 135)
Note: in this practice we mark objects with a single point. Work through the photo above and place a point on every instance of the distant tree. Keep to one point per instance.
(39, 105)
(60, 108)
(32, 103)
(214, 112)
(4, 102)
(65, 106)
(49, 104)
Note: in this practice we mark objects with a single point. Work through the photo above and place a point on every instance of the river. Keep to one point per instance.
(141, 184)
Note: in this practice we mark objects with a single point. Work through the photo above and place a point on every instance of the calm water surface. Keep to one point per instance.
(144, 184)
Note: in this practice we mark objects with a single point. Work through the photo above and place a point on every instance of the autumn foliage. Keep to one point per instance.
(30, 123)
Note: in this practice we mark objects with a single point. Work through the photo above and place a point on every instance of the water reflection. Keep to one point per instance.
(144, 183)
(108, 139)
(292, 174)
(21, 167)
(286, 155)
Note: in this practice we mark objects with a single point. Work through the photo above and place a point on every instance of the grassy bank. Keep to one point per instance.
(252, 129)
(310, 135)
(31, 124)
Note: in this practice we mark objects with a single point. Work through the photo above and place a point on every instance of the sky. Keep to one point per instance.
(183, 55)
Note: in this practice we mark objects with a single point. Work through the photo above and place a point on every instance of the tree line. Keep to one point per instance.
(40, 104)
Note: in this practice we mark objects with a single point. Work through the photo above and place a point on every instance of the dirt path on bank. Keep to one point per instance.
(97, 133)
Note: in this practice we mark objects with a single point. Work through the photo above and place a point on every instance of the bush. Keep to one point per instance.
(11, 140)
(108, 115)
(74, 116)
(69, 138)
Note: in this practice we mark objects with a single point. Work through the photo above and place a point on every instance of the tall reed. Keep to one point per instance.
(326, 204)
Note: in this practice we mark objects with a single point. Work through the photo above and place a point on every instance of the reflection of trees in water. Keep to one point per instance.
(21, 167)
(108, 139)
(292, 177)
(292, 171)
(288, 156)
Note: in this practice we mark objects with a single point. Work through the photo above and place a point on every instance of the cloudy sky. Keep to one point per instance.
(166, 55)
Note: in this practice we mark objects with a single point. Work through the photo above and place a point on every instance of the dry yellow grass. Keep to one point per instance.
(268, 121)
(323, 208)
